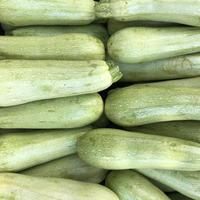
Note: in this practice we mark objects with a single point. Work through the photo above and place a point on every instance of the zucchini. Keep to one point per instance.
(187, 183)
(183, 12)
(69, 112)
(150, 103)
(178, 196)
(143, 44)
(71, 167)
(114, 26)
(47, 79)
(22, 187)
(70, 46)
(128, 184)
(43, 12)
(22, 150)
(95, 30)
(188, 130)
(171, 68)
(117, 149)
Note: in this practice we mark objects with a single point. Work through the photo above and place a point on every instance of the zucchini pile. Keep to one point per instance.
(99, 100)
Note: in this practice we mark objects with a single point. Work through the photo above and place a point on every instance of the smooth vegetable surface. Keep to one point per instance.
(130, 185)
(23, 150)
(70, 46)
(171, 68)
(71, 167)
(143, 44)
(187, 183)
(45, 12)
(68, 112)
(150, 103)
(118, 149)
(21, 187)
(183, 12)
(188, 130)
(23, 81)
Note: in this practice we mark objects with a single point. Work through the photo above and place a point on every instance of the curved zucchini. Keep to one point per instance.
(43, 12)
(22, 187)
(70, 46)
(114, 25)
(187, 130)
(143, 44)
(116, 149)
(96, 30)
(177, 196)
(69, 112)
(48, 79)
(187, 183)
(22, 150)
(71, 167)
(183, 12)
(128, 184)
(171, 68)
(150, 103)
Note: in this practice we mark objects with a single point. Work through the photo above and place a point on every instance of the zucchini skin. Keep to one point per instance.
(117, 150)
(128, 184)
(183, 12)
(71, 167)
(70, 46)
(22, 150)
(177, 196)
(151, 103)
(145, 44)
(48, 79)
(187, 183)
(187, 130)
(172, 68)
(95, 30)
(43, 12)
(22, 187)
(68, 112)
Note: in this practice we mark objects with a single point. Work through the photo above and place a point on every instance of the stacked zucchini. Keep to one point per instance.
(100, 100)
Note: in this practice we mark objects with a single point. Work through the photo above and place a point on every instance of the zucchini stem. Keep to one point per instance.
(103, 10)
(114, 71)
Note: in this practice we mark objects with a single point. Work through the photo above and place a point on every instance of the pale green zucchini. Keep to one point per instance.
(69, 112)
(143, 44)
(114, 26)
(96, 30)
(22, 187)
(70, 46)
(23, 81)
(130, 185)
(188, 130)
(117, 149)
(178, 196)
(187, 183)
(183, 12)
(71, 167)
(150, 103)
(22, 150)
(171, 68)
(45, 12)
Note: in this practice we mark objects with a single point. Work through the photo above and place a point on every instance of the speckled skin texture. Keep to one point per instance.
(183, 12)
(71, 167)
(24, 81)
(143, 44)
(187, 183)
(46, 12)
(21, 187)
(130, 185)
(150, 103)
(117, 149)
(68, 112)
(23, 150)
(70, 46)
